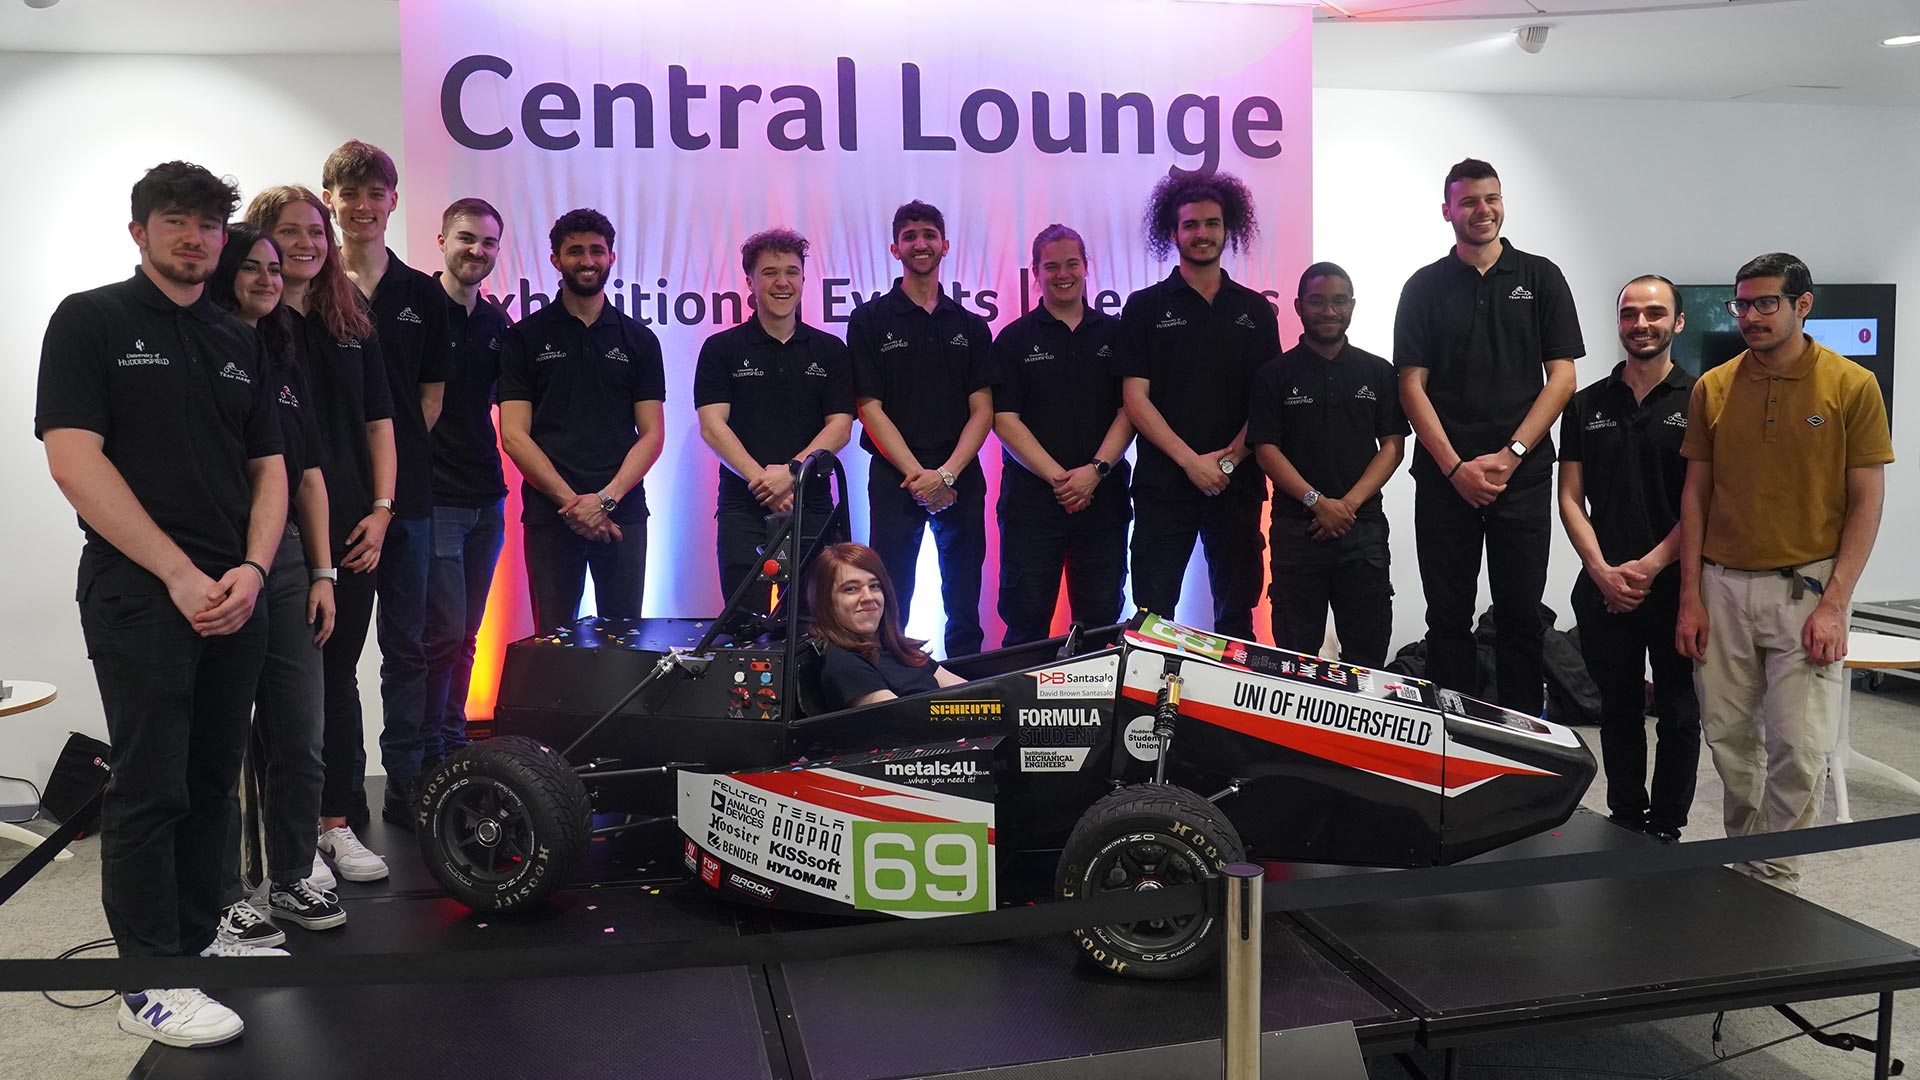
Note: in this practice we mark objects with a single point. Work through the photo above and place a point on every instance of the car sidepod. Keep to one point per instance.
(1509, 775)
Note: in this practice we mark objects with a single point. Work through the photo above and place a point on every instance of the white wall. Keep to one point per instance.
(1608, 189)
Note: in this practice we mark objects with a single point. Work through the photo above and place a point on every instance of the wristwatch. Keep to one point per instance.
(383, 504)
(1227, 466)
(946, 477)
(326, 573)
(1309, 499)
(793, 466)
(608, 503)
(1519, 449)
(1101, 468)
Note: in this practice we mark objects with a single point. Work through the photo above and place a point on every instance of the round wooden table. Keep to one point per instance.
(25, 697)
(1867, 651)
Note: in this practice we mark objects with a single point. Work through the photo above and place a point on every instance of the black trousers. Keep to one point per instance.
(1618, 650)
(558, 561)
(894, 526)
(1350, 575)
(1038, 542)
(289, 718)
(1228, 527)
(1515, 529)
(176, 706)
(342, 750)
(740, 530)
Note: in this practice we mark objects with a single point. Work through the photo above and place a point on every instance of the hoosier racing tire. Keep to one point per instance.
(503, 823)
(1141, 837)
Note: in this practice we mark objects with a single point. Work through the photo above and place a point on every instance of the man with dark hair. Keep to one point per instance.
(1485, 339)
(768, 393)
(469, 489)
(582, 389)
(155, 410)
(1326, 427)
(361, 186)
(1188, 349)
(1620, 480)
(922, 377)
(1786, 449)
(1064, 436)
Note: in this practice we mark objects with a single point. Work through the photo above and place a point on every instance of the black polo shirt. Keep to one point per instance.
(921, 365)
(778, 393)
(299, 423)
(1200, 359)
(348, 383)
(410, 314)
(1328, 417)
(1483, 339)
(1061, 383)
(846, 676)
(466, 449)
(583, 382)
(181, 397)
(1629, 455)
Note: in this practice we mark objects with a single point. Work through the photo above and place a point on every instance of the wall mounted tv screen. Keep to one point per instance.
(1855, 321)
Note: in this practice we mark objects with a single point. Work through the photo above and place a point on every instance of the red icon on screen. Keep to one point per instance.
(1866, 335)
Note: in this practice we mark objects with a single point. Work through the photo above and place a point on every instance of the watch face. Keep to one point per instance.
(1226, 466)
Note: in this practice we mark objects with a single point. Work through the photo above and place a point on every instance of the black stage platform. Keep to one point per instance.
(1436, 973)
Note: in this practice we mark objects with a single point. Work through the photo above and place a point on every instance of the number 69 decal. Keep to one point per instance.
(922, 866)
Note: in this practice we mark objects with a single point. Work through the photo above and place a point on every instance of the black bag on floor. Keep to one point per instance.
(78, 776)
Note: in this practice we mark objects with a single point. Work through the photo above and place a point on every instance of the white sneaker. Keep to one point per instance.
(185, 1018)
(322, 877)
(248, 925)
(238, 948)
(351, 857)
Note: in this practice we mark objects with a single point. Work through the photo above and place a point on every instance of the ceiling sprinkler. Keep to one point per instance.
(1531, 38)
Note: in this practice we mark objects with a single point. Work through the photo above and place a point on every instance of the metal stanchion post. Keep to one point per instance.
(1241, 1036)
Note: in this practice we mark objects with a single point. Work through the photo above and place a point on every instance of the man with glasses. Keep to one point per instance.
(1326, 427)
(1786, 448)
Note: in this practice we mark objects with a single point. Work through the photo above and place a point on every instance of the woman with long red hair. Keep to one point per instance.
(865, 657)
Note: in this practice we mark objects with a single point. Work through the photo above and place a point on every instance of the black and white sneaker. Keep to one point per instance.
(304, 905)
(244, 924)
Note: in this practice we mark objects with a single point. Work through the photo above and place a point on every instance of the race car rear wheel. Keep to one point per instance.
(1139, 838)
(503, 823)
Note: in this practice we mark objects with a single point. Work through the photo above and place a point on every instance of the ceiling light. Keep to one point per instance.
(41, 3)
(1530, 38)
(1901, 40)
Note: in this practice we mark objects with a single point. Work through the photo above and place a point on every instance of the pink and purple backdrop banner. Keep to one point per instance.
(693, 125)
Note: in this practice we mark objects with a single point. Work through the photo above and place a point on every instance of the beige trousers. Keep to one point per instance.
(1770, 717)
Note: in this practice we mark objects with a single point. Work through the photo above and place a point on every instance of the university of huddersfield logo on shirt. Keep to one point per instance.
(1295, 397)
(746, 370)
(1246, 320)
(890, 343)
(1520, 292)
(1037, 355)
(548, 352)
(138, 356)
(1168, 321)
(236, 373)
(1599, 422)
(407, 316)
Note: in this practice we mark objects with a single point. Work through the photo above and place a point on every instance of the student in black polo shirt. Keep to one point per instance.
(469, 488)
(359, 182)
(1325, 425)
(768, 393)
(1188, 349)
(922, 373)
(1621, 475)
(1063, 484)
(581, 393)
(154, 409)
(1485, 340)
(332, 335)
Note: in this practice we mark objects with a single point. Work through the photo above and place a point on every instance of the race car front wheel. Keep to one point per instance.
(503, 823)
(1139, 838)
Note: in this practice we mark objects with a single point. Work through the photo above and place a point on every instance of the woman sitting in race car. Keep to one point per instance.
(864, 656)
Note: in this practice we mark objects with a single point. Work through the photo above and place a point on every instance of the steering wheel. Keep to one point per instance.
(1070, 648)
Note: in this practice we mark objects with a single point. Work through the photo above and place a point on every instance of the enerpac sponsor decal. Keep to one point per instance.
(962, 710)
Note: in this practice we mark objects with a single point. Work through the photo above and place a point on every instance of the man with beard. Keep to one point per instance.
(1063, 484)
(469, 489)
(1188, 349)
(1786, 450)
(1485, 339)
(922, 380)
(155, 410)
(1326, 427)
(581, 393)
(1620, 480)
(768, 393)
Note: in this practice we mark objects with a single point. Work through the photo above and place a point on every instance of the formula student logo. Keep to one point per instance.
(237, 374)
(138, 356)
(407, 316)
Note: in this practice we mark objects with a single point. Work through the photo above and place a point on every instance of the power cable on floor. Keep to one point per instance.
(97, 943)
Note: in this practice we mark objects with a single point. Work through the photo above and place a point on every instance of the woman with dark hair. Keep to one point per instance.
(332, 335)
(287, 719)
(865, 657)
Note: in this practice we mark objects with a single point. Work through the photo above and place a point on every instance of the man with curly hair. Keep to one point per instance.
(1187, 352)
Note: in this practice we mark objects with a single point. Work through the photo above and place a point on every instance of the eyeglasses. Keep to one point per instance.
(1765, 305)
(1321, 303)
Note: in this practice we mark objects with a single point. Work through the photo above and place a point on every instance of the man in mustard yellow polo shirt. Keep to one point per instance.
(1785, 449)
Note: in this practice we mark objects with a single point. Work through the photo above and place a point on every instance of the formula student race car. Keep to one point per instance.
(1148, 755)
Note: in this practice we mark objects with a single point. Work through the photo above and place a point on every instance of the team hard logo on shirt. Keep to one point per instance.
(1520, 293)
(814, 369)
(138, 356)
(1168, 321)
(288, 397)
(1246, 320)
(1104, 350)
(347, 343)
(407, 316)
(493, 344)
(960, 340)
(616, 353)
(236, 373)
(1678, 419)
(890, 343)
(1365, 393)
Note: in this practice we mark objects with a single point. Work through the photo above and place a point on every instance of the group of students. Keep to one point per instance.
(267, 428)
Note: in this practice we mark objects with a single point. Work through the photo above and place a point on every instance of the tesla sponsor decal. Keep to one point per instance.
(1139, 739)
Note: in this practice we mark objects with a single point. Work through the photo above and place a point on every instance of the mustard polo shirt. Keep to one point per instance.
(1781, 446)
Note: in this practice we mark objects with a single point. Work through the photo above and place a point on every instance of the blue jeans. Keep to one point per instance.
(466, 548)
(399, 625)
